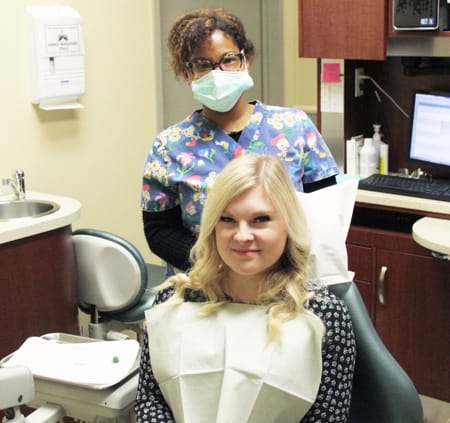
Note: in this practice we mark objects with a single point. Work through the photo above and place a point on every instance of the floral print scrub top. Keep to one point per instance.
(185, 158)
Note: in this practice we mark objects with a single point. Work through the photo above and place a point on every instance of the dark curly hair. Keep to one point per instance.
(192, 28)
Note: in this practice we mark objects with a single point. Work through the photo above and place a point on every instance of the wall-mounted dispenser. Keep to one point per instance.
(56, 56)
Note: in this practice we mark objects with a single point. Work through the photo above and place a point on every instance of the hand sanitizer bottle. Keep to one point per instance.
(368, 159)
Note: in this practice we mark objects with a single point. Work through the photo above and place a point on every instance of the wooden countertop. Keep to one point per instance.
(69, 211)
(407, 203)
(433, 234)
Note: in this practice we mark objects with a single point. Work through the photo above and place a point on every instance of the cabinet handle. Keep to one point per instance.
(380, 285)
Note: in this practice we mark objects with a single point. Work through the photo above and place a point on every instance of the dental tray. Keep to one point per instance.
(77, 360)
(84, 402)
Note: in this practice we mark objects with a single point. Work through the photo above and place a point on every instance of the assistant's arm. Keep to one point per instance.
(320, 168)
(314, 186)
(167, 237)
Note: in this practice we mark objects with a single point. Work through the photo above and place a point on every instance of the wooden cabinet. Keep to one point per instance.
(351, 29)
(37, 288)
(406, 291)
(347, 29)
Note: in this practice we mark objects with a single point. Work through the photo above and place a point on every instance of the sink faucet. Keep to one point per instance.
(17, 184)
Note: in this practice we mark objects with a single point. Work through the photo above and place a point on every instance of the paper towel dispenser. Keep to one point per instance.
(56, 56)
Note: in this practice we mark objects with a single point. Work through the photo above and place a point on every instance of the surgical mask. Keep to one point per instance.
(220, 90)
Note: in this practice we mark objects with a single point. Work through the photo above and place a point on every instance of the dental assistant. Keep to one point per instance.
(209, 50)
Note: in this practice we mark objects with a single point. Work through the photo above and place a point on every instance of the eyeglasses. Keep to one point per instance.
(230, 61)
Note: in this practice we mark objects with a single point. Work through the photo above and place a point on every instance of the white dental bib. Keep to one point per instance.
(221, 369)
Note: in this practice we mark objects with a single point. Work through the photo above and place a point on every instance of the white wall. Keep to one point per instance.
(96, 154)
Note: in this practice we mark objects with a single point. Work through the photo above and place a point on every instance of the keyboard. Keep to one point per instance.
(423, 188)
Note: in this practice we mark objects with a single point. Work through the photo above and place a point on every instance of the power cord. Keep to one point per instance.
(384, 122)
(385, 93)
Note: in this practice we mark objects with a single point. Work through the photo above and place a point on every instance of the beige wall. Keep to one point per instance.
(95, 155)
(300, 88)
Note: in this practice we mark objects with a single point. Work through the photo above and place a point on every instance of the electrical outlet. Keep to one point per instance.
(359, 82)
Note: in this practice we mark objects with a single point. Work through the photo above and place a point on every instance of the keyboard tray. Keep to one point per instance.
(422, 188)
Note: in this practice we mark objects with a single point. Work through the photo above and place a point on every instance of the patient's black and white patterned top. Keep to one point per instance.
(338, 360)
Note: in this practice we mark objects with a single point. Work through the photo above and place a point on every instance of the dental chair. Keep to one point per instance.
(382, 391)
(114, 287)
(113, 283)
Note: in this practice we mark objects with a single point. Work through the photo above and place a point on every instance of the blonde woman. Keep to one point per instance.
(243, 337)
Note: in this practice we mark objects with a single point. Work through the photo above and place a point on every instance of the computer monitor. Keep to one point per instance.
(430, 130)
(415, 15)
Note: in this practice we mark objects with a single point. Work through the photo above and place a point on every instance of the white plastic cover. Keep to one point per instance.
(108, 276)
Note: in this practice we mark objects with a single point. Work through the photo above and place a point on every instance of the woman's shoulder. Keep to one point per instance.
(327, 305)
(335, 317)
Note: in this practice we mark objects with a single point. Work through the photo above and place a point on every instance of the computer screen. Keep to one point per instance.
(430, 128)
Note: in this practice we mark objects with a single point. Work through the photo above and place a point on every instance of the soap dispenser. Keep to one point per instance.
(376, 133)
(368, 159)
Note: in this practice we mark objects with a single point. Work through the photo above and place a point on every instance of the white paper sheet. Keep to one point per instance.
(96, 364)
(329, 214)
(221, 369)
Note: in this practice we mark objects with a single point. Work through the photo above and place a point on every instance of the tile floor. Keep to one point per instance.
(435, 411)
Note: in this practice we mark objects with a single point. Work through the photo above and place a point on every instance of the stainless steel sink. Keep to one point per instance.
(26, 208)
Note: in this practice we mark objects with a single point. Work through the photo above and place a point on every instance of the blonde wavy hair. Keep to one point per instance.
(285, 288)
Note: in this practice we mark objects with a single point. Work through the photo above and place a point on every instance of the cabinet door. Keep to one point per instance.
(347, 29)
(414, 319)
(37, 288)
(361, 260)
